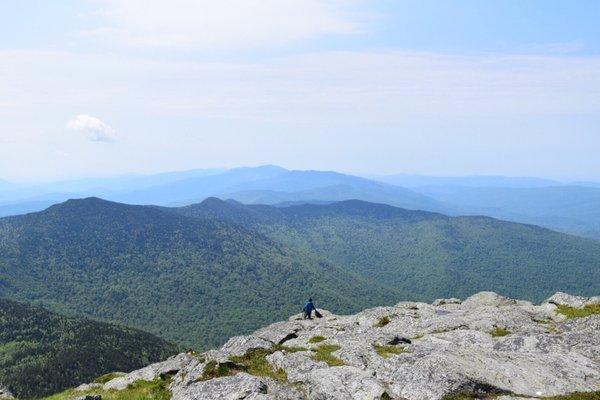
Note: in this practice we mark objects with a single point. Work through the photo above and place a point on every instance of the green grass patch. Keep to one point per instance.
(254, 362)
(572, 312)
(499, 331)
(460, 396)
(385, 396)
(381, 322)
(288, 349)
(323, 353)
(388, 351)
(141, 390)
(214, 369)
(316, 339)
(107, 377)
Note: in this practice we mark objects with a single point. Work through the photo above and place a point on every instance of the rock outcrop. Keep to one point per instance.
(5, 394)
(485, 345)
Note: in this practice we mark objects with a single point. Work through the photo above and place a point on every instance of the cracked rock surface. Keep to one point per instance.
(485, 345)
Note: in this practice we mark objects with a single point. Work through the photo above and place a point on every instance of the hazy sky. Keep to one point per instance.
(445, 87)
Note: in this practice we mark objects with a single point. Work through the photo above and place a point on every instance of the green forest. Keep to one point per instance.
(43, 353)
(195, 282)
(425, 255)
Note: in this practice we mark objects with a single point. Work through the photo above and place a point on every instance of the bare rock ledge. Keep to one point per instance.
(485, 345)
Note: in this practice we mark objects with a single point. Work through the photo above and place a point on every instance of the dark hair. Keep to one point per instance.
(310, 299)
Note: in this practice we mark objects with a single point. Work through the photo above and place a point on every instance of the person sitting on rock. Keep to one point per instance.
(308, 309)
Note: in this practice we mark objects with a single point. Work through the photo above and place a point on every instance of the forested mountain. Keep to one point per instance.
(201, 273)
(42, 352)
(194, 281)
(426, 255)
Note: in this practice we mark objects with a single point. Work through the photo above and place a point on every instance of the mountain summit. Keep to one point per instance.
(487, 345)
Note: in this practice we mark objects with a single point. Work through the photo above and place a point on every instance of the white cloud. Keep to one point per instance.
(97, 130)
(208, 24)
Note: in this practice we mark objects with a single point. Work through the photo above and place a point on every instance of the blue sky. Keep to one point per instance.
(105, 87)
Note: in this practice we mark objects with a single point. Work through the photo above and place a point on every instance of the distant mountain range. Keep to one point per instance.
(201, 273)
(572, 208)
(42, 353)
(424, 181)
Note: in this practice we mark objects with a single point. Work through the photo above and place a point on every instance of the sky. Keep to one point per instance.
(445, 87)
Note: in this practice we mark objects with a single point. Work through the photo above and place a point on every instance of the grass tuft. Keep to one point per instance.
(214, 369)
(460, 396)
(388, 351)
(316, 339)
(140, 390)
(288, 349)
(572, 312)
(254, 362)
(323, 353)
(383, 321)
(107, 377)
(499, 331)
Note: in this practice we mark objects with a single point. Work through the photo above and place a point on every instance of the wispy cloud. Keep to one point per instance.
(207, 24)
(367, 86)
(97, 130)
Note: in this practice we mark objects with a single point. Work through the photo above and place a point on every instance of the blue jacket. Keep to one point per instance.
(309, 307)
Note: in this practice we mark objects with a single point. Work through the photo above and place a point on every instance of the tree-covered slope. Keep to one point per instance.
(196, 281)
(426, 255)
(43, 352)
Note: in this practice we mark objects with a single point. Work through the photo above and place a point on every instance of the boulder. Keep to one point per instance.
(279, 333)
(239, 386)
(564, 299)
(88, 386)
(239, 345)
(490, 299)
(441, 302)
(343, 383)
(296, 365)
(151, 372)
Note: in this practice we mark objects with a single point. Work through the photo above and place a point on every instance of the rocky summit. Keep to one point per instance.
(485, 346)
